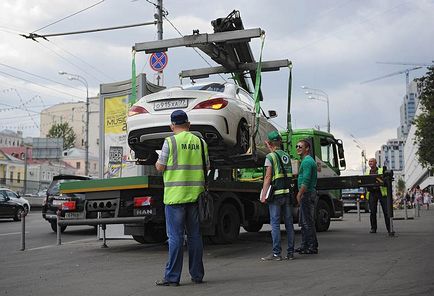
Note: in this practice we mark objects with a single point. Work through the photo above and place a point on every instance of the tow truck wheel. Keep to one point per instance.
(227, 226)
(153, 234)
(253, 226)
(54, 227)
(322, 222)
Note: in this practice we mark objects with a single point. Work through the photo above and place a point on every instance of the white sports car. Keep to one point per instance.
(222, 113)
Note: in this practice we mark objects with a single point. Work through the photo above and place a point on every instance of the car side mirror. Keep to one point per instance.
(272, 114)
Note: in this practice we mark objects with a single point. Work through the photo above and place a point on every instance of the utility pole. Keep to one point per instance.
(159, 17)
(25, 169)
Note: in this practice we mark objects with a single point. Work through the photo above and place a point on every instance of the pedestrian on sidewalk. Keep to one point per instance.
(278, 173)
(427, 198)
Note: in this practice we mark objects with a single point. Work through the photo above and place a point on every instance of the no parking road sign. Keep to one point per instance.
(158, 61)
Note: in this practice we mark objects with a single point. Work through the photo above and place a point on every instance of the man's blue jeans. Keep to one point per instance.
(278, 207)
(180, 218)
(307, 222)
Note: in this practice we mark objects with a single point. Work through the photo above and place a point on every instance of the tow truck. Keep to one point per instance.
(137, 202)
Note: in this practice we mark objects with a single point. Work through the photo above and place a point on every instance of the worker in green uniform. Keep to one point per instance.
(306, 197)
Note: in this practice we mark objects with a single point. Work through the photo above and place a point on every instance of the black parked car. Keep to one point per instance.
(350, 196)
(71, 205)
(12, 205)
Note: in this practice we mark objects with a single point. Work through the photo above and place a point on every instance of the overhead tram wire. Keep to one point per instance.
(25, 107)
(71, 63)
(38, 76)
(66, 17)
(43, 86)
(209, 64)
(83, 61)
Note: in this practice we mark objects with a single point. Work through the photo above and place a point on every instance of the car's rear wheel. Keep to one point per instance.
(243, 137)
(54, 227)
(18, 214)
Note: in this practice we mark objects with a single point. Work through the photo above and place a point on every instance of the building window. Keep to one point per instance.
(11, 176)
(77, 164)
(18, 177)
(94, 166)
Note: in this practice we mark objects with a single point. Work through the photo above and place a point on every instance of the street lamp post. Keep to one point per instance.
(363, 149)
(86, 143)
(318, 92)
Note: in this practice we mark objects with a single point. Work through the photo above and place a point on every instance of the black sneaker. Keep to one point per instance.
(299, 250)
(309, 252)
(163, 282)
(289, 257)
(197, 281)
(272, 257)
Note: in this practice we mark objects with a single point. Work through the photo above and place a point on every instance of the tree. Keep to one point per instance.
(400, 186)
(424, 135)
(64, 131)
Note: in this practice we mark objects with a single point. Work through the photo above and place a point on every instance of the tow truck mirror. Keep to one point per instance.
(341, 151)
(272, 114)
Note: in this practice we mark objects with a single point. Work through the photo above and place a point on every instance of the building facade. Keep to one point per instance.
(408, 109)
(415, 174)
(75, 115)
(10, 138)
(76, 157)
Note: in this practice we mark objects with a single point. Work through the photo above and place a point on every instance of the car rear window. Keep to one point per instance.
(217, 87)
(53, 189)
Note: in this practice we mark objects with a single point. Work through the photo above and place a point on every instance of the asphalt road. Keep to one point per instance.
(351, 262)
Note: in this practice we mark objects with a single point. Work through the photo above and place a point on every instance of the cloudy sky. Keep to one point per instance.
(334, 46)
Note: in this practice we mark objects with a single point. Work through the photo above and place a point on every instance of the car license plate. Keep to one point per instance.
(58, 202)
(350, 204)
(74, 215)
(170, 104)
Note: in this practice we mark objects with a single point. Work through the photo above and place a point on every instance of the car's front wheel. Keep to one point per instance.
(243, 137)
(18, 214)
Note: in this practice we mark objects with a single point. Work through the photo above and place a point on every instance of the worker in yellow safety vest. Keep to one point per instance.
(183, 174)
(376, 194)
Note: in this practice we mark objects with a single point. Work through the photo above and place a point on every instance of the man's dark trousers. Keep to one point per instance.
(374, 196)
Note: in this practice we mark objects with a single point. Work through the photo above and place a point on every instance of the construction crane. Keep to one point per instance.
(406, 71)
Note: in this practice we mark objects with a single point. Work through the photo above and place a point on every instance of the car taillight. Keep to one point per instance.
(134, 110)
(215, 104)
(142, 201)
(68, 205)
